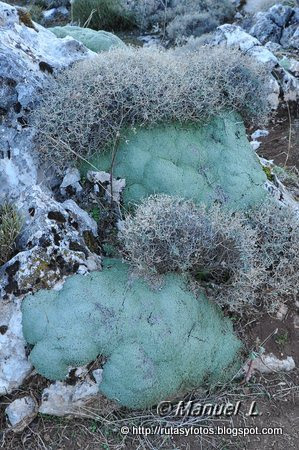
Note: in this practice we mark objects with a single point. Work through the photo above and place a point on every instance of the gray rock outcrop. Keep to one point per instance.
(29, 56)
(280, 24)
(56, 238)
(283, 82)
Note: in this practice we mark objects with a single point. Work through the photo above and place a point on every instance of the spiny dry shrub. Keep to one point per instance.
(289, 177)
(172, 15)
(88, 105)
(169, 234)
(242, 261)
(195, 18)
(194, 44)
(109, 15)
(277, 229)
(193, 24)
(264, 5)
(147, 12)
(10, 227)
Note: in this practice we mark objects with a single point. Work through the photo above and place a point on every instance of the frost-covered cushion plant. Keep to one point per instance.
(97, 41)
(210, 163)
(158, 343)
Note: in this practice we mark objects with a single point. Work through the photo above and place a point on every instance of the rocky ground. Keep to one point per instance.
(61, 237)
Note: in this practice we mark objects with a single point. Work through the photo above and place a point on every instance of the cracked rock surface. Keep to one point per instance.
(56, 239)
(30, 56)
(282, 80)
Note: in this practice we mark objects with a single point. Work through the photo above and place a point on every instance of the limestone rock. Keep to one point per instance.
(277, 190)
(270, 363)
(290, 85)
(30, 56)
(55, 13)
(102, 180)
(21, 412)
(265, 29)
(55, 241)
(282, 312)
(71, 181)
(255, 145)
(259, 133)
(80, 400)
(290, 64)
(235, 36)
(280, 14)
(266, 363)
(273, 47)
(14, 365)
(277, 25)
(290, 37)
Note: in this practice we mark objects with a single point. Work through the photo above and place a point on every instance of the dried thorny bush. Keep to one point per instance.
(193, 44)
(278, 243)
(88, 106)
(171, 15)
(170, 234)
(289, 177)
(242, 261)
(10, 227)
(197, 17)
(193, 24)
